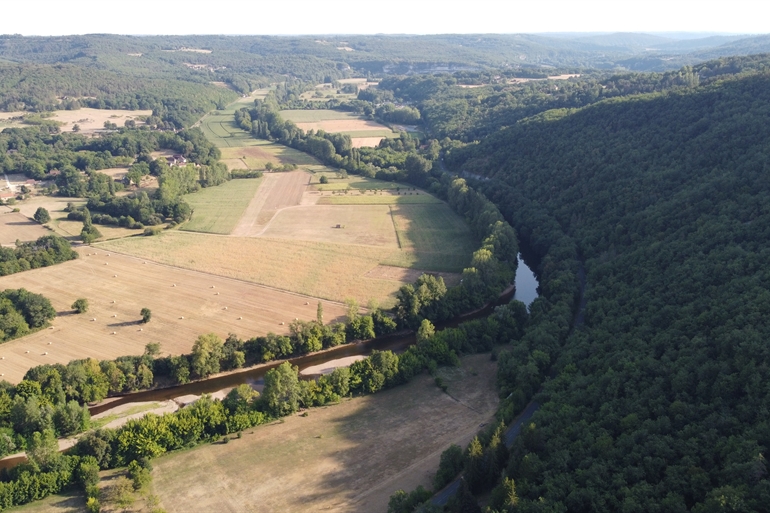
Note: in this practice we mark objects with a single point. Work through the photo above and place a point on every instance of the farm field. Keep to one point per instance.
(340, 122)
(369, 225)
(288, 240)
(184, 305)
(260, 152)
(324, 270)
(16, 226)
(218, 209)
(318, 269)
(347, 457)
(89, 120)
(278, 191)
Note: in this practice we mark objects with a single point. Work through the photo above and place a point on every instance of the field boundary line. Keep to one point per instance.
(395, 228)
(240, 280)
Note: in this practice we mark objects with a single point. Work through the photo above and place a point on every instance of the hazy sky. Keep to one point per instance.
(57, 17)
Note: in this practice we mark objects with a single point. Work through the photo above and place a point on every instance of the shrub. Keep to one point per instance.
(80, 305)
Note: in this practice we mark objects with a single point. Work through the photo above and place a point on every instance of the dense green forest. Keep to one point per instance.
(659, 399)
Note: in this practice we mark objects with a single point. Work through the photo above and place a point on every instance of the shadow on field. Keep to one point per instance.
(393, 439)
(66, 313)
(124, 324)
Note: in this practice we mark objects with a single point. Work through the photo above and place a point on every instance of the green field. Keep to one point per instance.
(378, 199)
(353, 182)
(218, 209)
(259, 152)
(439, 238)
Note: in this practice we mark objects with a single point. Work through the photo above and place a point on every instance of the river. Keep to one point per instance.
(526, 284)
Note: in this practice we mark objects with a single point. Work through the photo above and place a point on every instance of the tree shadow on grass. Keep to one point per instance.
(125, 324)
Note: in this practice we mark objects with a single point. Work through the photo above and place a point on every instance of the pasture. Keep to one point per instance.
(260, 152)
(369, 225)
(184, 305)
(218, 209)
(347, 457)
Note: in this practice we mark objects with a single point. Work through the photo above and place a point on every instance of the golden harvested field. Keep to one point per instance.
(16, 226)
(184, 304)
(318, 269)
(369, 225)
(278, 191)
(348, 457)
(89, 120)
(343, 125)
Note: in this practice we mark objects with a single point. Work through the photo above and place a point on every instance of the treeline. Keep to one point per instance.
(492, 267)
(35, 152)
(45, 251)
(657, 396)
(265, 122)
(66, 156)
(21, 312)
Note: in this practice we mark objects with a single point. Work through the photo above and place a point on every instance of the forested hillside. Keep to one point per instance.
(177, 76)
(660, 398)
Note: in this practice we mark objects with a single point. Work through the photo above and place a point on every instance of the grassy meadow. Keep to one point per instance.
(218, 209)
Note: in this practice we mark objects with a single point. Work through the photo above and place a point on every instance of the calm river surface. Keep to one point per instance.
(526, 284)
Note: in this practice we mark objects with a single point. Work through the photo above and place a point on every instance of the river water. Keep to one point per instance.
(526, 284)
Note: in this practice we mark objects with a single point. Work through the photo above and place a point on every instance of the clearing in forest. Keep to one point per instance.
(89, 120)
(184, 305)
(218, 209)
(346, 457)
